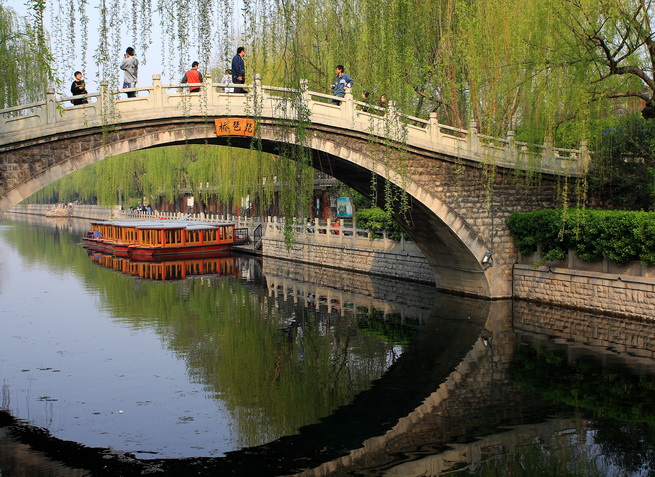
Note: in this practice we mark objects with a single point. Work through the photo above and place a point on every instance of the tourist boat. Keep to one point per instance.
(167, 270)
(160, 239)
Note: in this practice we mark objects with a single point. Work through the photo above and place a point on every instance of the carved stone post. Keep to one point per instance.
(511, 152)
(435, 130)
(257, 94)
(348, 108)
(50, 106)
(157, 93)
(473, 139)
(304, 91)
(585, 156)
(548, 154)
(207, 89)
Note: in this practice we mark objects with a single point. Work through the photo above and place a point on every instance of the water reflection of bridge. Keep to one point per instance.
(340, 291)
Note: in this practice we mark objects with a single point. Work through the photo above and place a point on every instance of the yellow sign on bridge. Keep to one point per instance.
(235, 127)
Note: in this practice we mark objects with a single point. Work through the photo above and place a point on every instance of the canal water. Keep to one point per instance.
(247, 366)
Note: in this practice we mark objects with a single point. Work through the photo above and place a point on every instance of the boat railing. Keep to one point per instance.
(241, 236)
(257, 237)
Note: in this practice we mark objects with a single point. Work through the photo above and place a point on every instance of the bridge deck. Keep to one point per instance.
(57, 115)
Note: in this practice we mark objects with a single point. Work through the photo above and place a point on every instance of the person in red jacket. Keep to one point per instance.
(193, 76)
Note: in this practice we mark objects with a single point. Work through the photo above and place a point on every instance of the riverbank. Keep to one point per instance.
(343, 248)
(627, 291)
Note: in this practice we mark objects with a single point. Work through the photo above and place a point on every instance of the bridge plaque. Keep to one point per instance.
(235, 127)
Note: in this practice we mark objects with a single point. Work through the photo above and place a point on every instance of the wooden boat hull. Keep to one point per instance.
(189, 251)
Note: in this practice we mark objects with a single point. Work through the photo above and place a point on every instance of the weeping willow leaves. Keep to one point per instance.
(24, 58)
(538, 73)
(530, 72)
(160, 174)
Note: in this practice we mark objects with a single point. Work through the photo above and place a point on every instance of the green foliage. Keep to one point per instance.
(377, 221)
(621, 174)
(24, 58)
(229, 174)
(619, 236)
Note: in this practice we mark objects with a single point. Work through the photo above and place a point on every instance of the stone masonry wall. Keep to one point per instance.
(612, 293)
(405, 265)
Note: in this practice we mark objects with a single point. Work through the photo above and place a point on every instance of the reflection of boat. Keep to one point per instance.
(158, 239)
(169, 269)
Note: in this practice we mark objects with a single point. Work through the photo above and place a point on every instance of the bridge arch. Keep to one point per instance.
(454, 220)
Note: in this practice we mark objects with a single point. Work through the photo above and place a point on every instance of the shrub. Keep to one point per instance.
(377, 221)
(617, 235)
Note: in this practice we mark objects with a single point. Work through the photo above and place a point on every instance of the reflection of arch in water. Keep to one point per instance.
(452, 329)
(449, 334)
(473, 397)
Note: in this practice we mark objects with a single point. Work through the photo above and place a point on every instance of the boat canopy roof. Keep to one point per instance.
(163, 224)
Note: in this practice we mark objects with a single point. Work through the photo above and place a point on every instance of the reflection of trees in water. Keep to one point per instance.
(630, 446)
(621, 403)
(275, 365)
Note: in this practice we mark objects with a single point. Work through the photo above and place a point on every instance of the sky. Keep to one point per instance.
(69, 56)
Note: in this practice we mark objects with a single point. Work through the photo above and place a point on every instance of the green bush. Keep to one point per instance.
(617, 235)
(377, 221)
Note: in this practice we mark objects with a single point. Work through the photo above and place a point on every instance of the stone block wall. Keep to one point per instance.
(411, 266)
(619, 294)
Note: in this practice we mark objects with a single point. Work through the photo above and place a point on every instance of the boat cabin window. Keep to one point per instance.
(193, 236)
(211, 235)
(226, 232)
(173, 236)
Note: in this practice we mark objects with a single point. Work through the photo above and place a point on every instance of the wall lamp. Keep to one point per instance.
(487, 259)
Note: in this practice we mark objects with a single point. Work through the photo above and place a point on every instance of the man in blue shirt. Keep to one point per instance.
(341, 82)
(239, 69)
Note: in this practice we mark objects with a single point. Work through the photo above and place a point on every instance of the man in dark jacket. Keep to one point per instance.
(239, 69)
(78, 87)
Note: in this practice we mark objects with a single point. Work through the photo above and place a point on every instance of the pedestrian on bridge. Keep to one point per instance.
(227, 79)
(193, 76)
(78, 87)
(130, 65)
(239, 69)
(341, 82)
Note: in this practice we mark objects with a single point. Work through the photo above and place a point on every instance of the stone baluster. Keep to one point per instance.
(511, 153)
(257, 86)
(548, 156)
(157, 92)
(348, 108)
(304, 92)
(106, 101)
(585, 156)
(50, 106)
(207, 89)
(473, 139)
(435, 129)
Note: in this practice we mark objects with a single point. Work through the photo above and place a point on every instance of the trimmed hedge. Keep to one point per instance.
(617, 235)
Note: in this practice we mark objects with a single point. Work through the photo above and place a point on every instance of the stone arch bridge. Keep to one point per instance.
(462, 186)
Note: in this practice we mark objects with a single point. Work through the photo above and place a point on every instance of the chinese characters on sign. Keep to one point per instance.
(235, 127)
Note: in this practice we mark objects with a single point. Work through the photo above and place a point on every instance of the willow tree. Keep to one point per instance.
(528, 71)
(24, 57)
(616, 42)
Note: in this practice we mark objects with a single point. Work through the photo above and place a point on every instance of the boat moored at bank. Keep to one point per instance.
(159, 239)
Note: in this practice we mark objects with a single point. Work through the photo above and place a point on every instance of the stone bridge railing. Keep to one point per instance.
(159, 101)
